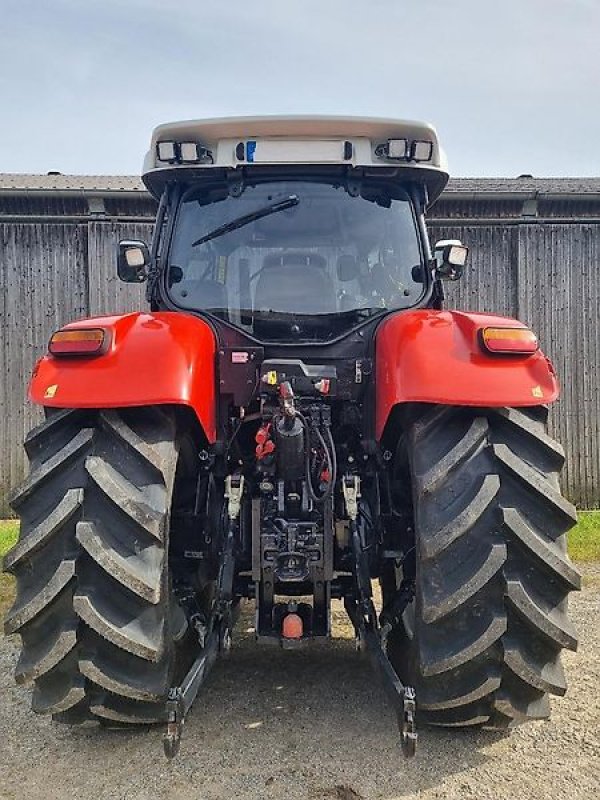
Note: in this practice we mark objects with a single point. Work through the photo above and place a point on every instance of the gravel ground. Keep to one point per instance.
(310, 725)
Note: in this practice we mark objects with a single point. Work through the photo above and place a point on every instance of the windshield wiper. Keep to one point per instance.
(281, 205)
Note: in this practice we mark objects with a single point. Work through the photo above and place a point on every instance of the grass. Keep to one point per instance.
(9, 530)
(584, 538)
(584, 545)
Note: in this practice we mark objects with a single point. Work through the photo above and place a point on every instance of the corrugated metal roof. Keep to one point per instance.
(101, 184)
(107, 184)
(523, 185)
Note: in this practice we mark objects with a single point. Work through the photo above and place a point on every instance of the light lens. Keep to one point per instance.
(509, 340)
(397, 148)
(80, 342)
(422, 151)
(166, 151)
(457, 255)
(189, 152)
(134, 256)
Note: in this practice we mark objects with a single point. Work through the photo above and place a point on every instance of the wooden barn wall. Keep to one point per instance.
(560, 299)
(549, 277)
(43, 284)
(546, 274)
(489, 280)
(107, 292)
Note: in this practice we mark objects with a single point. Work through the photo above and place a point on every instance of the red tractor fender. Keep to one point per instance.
(429, 356)
(150, 359)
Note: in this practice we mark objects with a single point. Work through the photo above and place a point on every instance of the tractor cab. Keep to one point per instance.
(291, 230)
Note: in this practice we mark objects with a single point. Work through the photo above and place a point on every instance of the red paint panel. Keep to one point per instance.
(431, 356)
(152, 359)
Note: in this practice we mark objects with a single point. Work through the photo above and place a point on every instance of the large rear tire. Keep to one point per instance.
(481, 641)
(102, 636)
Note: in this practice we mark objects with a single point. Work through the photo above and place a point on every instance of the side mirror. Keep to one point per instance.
(450, 256)
(133, 259)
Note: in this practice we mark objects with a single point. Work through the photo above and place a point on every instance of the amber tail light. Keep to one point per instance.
(509, 340)
(80, 342)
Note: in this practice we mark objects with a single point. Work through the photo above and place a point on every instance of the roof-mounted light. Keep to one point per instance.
(166, 152)
(393, 149)
(421, 151)
(397, 148)
(193, 153)
(183, 153)
(405, 150)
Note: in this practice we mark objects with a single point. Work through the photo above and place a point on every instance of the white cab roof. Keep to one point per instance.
(310, 140)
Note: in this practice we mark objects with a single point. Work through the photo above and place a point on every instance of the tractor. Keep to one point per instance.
(295, 419)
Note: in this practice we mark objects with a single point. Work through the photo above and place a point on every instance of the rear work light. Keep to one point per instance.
(81, 342)
(421, 151)
(183, 153)
(405, 150)
(509, 340)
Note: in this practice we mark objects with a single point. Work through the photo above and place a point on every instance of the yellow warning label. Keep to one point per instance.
(51, 390)
(272, 377)
(537, 391)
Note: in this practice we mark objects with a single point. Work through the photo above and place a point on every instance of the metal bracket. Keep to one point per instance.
(351, 490)
(392, 613)
(408, 724)
(175, 720)
(234, 488)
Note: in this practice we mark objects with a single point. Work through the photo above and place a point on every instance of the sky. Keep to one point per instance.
(512, 86)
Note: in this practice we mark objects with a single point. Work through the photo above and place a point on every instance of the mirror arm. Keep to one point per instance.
(155, 265)
(438, 295)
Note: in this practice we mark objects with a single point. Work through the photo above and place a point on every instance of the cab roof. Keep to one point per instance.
(189, 148)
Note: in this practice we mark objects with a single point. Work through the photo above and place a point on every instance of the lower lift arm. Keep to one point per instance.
(216, 636)
(361, 611)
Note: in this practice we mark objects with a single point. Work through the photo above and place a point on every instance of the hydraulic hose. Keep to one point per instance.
(330, 455)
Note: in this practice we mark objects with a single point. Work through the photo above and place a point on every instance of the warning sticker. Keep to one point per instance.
(239, 357)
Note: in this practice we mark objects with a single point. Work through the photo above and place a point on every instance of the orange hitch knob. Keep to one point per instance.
(293, 626)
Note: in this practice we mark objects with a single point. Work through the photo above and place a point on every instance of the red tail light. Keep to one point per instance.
(78, 342)
(509, 340)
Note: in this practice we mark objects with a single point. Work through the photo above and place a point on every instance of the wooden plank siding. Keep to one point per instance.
(548, 276)
(107, 292)
(545, 273)
(43, 284)
(560, 299)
